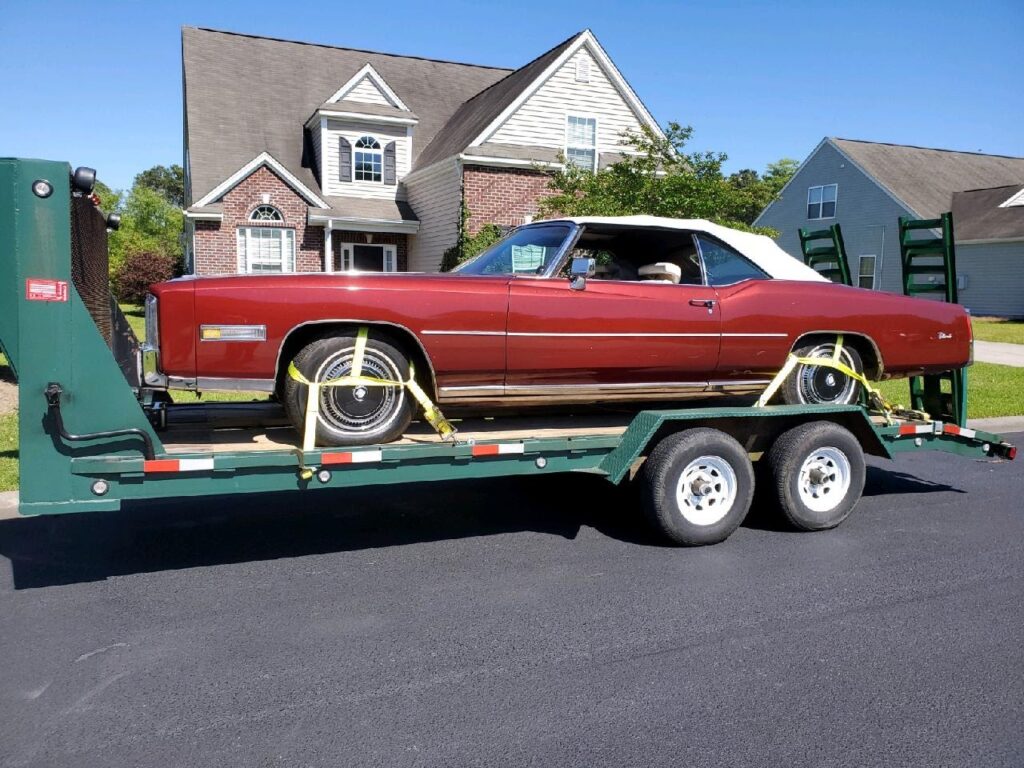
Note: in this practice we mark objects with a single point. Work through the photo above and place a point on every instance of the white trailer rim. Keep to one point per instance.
(706, 490)
(824, 479)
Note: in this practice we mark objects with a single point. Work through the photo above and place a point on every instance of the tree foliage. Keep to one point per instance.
(467, 246)
(168, 181)
(658, 177)
(149, 224)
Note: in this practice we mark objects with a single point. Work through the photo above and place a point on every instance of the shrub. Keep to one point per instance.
(137, 271)
(469, 246)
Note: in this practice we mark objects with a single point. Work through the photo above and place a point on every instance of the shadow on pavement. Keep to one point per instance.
(186, 533)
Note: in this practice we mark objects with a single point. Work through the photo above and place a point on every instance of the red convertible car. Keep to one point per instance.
(567, 311)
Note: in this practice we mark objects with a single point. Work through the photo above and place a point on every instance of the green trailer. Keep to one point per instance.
(92, 437)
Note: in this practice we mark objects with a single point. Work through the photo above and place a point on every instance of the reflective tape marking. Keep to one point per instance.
(915, 429)
(499, 449)
(352, 457)
(177, 465)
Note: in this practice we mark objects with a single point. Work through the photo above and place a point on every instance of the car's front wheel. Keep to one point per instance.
(362, 414)
(820, 384)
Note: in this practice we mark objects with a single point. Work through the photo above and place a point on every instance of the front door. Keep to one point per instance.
(365, 258)
(612, 335)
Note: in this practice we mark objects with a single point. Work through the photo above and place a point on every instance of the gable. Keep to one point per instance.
(368, 87)
(540, 120)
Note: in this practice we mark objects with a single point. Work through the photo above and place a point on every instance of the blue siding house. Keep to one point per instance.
(866, 186)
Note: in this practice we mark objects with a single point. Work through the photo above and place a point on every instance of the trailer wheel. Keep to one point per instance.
(351, 415)
(817, 472)
(697, 486)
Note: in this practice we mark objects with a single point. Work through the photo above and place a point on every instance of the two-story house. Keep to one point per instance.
(304, 158)
(866, 186)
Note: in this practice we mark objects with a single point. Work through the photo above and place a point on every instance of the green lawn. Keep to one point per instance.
(998, 329)
(992, 390)
(9, 452)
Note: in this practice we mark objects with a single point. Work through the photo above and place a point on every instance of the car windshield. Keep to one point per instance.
(526, 251)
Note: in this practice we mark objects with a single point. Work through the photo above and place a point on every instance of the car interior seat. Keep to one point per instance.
(660, 272)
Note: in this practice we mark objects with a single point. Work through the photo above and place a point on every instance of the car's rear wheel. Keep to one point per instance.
(820, 384)
(352, 415)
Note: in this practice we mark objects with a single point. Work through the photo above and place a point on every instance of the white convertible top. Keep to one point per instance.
(759, 249)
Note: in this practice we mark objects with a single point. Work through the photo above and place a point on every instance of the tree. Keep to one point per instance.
(658, 177)
(168, 181)
(149, 224)
(110, 199)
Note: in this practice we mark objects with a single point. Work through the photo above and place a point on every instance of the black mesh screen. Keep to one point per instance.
(89, 261)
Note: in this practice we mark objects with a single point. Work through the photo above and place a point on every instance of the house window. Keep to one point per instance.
(581, 142)
(367, 258)
(821, 201)
(369, 160)
(266, 213)
(266, 249)
(866, 272)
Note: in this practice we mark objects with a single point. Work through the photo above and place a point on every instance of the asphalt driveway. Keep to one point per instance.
(490, 624)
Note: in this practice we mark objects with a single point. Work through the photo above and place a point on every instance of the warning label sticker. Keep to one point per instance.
(43, 289)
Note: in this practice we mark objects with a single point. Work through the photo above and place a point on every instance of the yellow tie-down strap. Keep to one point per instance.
(875, 397)
(431, 413)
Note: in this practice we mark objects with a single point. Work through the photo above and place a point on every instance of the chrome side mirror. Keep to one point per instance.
(579, 272)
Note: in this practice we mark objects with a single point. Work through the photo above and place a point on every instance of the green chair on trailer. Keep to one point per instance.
(928, 264)
(828, 260)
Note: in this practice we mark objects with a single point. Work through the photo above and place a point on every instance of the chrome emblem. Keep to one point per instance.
(942, 335)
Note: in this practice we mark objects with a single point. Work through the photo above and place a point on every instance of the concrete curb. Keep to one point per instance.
(8, 505)
(999, 424)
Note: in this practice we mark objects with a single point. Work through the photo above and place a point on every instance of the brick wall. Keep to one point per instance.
(216, 243)
(502, 196)
(339, 236)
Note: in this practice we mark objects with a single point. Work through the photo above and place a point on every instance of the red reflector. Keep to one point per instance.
(908, 430)
(486, 450)
(951, 429)
(160, 465)
(1012, 453)
(336, 458)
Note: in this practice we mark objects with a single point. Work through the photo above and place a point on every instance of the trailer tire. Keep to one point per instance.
(697, 486)
(817, 474)
(351, 415)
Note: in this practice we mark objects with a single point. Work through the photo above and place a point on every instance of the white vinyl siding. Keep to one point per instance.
(262, 250)
(352, 130)
(540, 121)
(367, 92)
(436, 198)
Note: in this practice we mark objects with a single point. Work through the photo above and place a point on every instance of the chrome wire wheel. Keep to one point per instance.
(706, 490)
(824, 479)
(361, 408)
(819, 384)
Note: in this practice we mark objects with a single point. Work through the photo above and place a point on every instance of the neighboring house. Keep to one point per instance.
(866, 186)
(305, 158)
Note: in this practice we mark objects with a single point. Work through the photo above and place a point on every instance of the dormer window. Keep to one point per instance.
(369, 160)
(266, 213)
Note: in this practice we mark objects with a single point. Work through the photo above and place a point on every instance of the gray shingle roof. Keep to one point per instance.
(367, 208)
(977, 215)
(925, 179)
(477, 113)
(245, 95)
(363, 108)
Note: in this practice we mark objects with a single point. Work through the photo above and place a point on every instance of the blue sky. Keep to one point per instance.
(100, 83)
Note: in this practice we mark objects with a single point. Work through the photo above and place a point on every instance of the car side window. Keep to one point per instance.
(725, 266)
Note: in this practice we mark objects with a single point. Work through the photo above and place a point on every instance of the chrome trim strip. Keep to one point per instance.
(597, 389)
(605, 335)
(211, 384)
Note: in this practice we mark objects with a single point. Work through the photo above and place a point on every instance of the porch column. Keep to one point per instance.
(328, 251)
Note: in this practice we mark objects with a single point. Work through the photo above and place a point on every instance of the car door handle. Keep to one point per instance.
(709, 303)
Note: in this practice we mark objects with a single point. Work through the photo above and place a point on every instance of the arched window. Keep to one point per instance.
(369, 160)
(266, 213)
